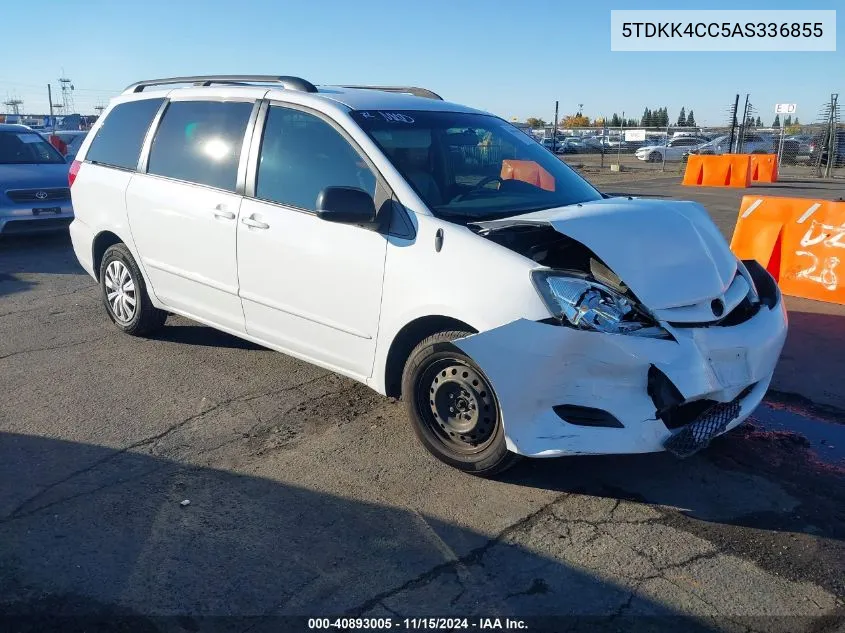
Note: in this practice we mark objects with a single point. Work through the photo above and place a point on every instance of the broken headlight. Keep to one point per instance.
(585, 304)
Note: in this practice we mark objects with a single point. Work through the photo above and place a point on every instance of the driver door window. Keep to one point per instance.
(302, 154)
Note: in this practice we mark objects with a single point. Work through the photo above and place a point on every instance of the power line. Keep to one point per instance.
(27, 85)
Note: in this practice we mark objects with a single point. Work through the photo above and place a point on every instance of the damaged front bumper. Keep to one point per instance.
(568, 392)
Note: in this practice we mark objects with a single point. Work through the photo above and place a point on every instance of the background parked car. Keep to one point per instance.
(674, 150)
(574, 144)
(34, 193)
(569, 146)
(818, 146)
(752, 143)
(804, 141)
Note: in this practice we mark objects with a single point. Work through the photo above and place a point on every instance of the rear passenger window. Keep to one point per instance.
(119, 139)
(301, 154)
(200, 141)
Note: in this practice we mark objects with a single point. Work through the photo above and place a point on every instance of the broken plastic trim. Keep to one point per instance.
(767, 288)
(671, 408)
(586, 416)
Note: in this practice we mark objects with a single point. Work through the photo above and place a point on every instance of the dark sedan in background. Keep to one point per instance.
(34, 192)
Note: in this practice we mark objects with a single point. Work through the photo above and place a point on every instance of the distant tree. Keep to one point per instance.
(615, 121)
(796, 121)
(682, 117)
(575, 120)
(631, 123)
(664, 117)
(758, 123)
(534, 121)
(787, 121)
(646, 117)
(691, 120)
(776, 122)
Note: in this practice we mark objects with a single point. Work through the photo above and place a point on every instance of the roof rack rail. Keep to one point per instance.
(289, 83)
(411, 90)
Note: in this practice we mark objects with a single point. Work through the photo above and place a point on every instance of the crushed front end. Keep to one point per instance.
(611, 373)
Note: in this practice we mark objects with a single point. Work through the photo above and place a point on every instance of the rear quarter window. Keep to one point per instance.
(119, 139)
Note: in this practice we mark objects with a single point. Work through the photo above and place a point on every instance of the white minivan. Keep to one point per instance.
(432, 252)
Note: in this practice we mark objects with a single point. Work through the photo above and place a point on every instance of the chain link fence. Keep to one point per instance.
(811, 150)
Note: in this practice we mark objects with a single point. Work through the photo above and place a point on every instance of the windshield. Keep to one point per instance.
(26, 148)
(469, 167)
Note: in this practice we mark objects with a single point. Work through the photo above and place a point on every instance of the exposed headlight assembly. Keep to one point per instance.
(584, 304)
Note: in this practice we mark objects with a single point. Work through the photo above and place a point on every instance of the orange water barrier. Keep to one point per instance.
(727, 170)
(764, 168)
(800, 241)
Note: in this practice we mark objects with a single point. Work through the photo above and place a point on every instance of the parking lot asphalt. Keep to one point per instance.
(308, 493)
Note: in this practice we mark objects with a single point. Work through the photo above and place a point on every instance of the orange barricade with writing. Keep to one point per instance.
(764, 168)
(728, 170)
(527, 171)
(800, 241)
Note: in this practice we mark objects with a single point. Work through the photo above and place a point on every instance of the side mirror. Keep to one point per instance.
(346, 205)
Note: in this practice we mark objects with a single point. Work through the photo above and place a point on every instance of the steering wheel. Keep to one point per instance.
(479, 185)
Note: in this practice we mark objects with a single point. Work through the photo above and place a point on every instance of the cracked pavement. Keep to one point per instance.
(309, 494)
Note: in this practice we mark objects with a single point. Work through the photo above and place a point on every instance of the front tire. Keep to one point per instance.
(453, 408)
(125, 294)
(655, 157)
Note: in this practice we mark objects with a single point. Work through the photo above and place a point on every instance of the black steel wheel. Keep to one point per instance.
(462, 409)
(453, 407)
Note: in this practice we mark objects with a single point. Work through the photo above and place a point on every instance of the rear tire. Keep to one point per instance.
(453, 408)
(125, 294)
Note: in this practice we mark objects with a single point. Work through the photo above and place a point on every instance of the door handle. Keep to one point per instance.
(255, 224)
(221, 212)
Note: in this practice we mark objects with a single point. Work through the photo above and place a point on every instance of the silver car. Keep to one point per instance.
(34, 193)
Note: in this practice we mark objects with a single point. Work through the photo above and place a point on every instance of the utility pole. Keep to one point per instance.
(50, 99)
(619, 147)
(604, 135)
(741, 140)
(733, 122)
(554, 131)
(831, 144)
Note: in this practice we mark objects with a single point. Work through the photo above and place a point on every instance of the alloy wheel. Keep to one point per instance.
(120, 291)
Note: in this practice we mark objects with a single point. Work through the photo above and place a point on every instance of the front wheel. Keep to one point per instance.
(453, 407)
(655, 157)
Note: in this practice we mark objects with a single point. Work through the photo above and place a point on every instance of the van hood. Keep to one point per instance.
(669, 253)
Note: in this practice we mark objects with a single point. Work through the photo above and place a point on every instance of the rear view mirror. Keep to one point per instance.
(346, 205)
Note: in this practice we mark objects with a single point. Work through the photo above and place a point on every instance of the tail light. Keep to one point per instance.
(71, 174)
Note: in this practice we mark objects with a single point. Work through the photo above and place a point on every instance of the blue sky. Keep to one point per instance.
(510, 58)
